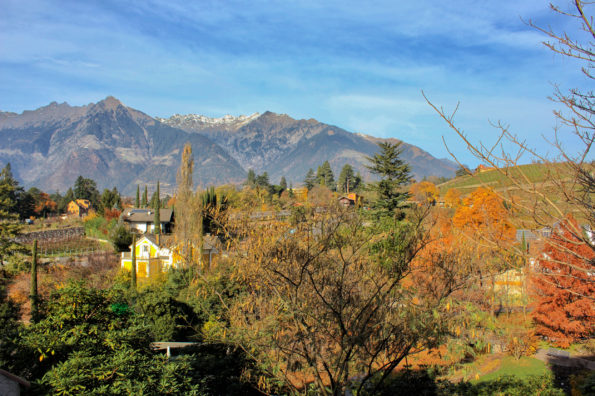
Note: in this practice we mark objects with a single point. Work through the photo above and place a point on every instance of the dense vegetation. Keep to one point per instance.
(416, 291)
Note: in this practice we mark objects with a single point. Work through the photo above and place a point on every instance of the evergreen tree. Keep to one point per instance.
(87, 189)
(263, 180)
(157, 207)
(291, 194)
(283, 183)
(144, 199)
(137, 202)
(9, 226)
(462, 171)
(346, 179)
(68, 197)
(325, 176)
(357, 182)
(310, 179)
(251, 178)
(394, 174)
(320, 176)
(110, 199)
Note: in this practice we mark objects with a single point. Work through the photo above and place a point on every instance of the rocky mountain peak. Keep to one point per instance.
(109, 103)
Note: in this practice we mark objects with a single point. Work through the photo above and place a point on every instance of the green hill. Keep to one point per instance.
(504, 178)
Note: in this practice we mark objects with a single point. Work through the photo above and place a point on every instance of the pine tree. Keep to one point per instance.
(9, 226)
(394, 174)
(310, 179)
(346, 179)
(329, 177)
(137, 202)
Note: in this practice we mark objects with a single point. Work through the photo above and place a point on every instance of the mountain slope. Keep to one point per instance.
(108, 142)
(282, 146)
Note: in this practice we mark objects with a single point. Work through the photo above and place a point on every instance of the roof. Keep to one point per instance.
(136, 215)
(529, 235)
(83, 203)
(15, 378)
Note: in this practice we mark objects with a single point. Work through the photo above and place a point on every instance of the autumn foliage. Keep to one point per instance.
(483, 212)
(564, 287)
(424, 192)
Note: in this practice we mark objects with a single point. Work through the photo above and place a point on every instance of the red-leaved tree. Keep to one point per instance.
(564, 284)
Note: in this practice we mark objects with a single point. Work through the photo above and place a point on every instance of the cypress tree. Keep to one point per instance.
(137, 203)
(144, 201)
(157, 228)
(33, 294)
(133, 266)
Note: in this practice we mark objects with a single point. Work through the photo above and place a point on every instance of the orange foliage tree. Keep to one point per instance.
(424, 192)
(44, 205)
(483, 214)
(452, 198)
(564, 310)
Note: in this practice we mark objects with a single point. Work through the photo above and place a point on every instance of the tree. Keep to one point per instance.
(324, 298)
(325, 177)
(144, 201)
(137, 201)
(483, 214)
(110, 199)
(424, 192)
(310, 179)
(394, 173)
(564, 311)
(157, 207)
(9, 227)
(263, 180)
(87, 189)
(188, 231)
(44, 204)
(569, 181)
(346, 181)
(463, 171)
(452, 198)
(116, 359)
(283, 184)
(251, 178)
(121, 238)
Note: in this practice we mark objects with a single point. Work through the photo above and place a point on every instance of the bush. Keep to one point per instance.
(121, 238)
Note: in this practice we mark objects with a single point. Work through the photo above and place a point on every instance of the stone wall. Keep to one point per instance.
(51, 235)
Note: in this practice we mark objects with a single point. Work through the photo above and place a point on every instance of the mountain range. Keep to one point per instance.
(119, 146)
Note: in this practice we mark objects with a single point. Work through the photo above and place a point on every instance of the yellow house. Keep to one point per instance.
(80, 207)
(154, 258)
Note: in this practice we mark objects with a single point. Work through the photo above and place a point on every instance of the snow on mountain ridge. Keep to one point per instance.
(211, 121)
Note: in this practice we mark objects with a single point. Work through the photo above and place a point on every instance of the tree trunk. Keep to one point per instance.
(33, 294)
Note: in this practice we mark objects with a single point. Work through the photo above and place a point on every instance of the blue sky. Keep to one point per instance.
(360, 65)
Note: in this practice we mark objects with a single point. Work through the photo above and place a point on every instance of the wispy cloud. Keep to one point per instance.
(359, 65)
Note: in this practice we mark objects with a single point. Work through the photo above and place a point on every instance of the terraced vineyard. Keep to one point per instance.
(500, 179)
